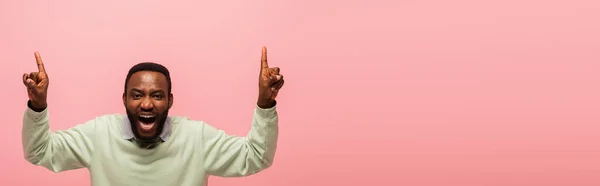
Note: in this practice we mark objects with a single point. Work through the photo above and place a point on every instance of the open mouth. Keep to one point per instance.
(146, 122)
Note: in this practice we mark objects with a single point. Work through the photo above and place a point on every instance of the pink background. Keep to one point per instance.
(419, 93)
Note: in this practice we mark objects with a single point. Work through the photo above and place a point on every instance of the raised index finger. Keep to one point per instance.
(40, 64)
(263, 58)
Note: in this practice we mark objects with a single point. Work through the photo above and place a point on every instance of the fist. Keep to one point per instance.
(37, 85)
(270, 82)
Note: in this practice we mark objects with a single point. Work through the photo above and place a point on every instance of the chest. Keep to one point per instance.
(175, 162)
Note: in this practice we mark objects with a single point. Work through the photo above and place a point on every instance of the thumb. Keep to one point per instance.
(30, 84)
(274, 79)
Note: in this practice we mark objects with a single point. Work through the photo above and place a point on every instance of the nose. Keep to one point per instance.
(147, 105)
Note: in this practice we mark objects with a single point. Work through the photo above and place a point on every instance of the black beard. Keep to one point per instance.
(161, 119)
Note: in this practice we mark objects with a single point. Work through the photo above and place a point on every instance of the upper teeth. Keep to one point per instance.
(146, 116)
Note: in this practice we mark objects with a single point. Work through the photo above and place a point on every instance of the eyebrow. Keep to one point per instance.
(153, 92)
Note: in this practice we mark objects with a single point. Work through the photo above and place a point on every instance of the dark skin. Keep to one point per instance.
(37, 85)
(269, 82)
(147, 92)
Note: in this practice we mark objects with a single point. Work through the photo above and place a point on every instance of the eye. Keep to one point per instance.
(157, 96)
(137, 96)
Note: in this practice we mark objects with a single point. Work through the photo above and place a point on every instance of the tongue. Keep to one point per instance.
(146, 126)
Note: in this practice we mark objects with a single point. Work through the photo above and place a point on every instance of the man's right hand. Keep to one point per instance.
(37, 85)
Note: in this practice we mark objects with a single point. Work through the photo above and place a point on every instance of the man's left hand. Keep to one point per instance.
(269, 82)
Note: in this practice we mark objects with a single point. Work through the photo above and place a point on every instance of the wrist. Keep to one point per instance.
(38, 107)
(266, 103)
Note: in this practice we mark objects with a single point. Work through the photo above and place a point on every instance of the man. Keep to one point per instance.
(149, 147)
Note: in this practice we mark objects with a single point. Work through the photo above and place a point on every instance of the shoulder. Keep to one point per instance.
(101, 124)
(186, 122)
(110, 119)
(189, 126)
(107, 121)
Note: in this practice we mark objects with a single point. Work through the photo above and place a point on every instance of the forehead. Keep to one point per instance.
(147, 80)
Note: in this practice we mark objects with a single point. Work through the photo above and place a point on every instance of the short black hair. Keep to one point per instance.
(149, 66)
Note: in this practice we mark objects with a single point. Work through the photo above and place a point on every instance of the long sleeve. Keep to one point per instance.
(57, 151)
(232, 156)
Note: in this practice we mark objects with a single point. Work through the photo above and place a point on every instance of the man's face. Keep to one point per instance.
(147, 102)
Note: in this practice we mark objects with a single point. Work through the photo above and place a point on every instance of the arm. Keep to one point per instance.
(231, 156)
(57, 151)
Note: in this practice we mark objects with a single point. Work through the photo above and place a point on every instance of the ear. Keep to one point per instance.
(170, 100)
(125, 99)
